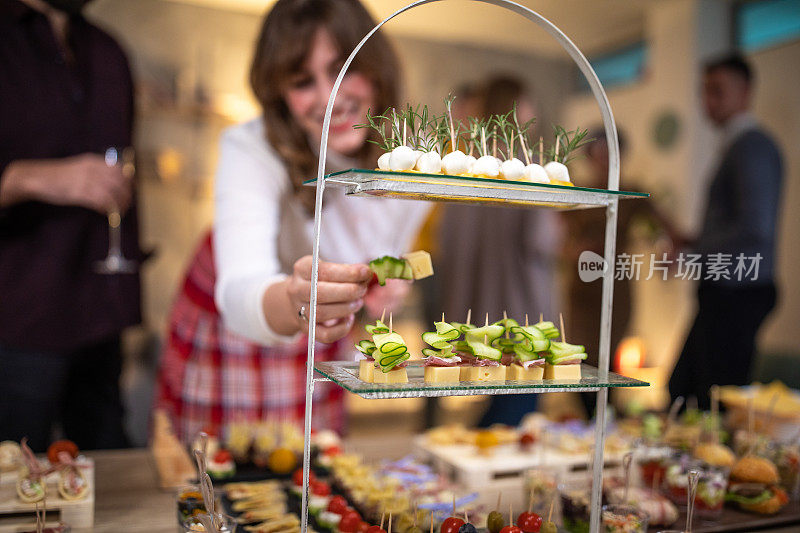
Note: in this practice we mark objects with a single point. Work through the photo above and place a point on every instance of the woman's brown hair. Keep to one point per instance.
(284, 44)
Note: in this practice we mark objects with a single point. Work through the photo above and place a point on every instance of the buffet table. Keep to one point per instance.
(128, 499)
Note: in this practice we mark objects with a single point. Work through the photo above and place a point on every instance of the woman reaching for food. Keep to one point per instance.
(252, 366)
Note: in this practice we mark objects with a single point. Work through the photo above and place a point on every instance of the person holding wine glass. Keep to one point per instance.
(66, 98)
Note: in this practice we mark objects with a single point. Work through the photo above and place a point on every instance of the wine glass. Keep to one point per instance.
(115, 262)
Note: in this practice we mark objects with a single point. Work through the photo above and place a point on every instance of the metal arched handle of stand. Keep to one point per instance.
(611, 223)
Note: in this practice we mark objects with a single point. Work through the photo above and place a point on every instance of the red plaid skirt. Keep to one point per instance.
(210, 376)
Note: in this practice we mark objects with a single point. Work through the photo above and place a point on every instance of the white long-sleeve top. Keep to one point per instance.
(261, 228)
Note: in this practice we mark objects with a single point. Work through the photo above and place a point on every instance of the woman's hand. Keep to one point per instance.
(340, 294)
(386, 299)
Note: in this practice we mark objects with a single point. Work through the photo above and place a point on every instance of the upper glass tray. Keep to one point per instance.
(345, 374)
(441, 187)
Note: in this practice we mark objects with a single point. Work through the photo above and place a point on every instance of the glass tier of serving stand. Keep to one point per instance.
(467, 189)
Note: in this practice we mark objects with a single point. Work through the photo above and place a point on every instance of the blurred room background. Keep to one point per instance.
(190, 61)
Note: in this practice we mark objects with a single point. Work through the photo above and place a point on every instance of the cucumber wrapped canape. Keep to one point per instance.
(564, 361)
(390, 350)
(564, 353)
(532, 339)
(413, 265)
(441, 338)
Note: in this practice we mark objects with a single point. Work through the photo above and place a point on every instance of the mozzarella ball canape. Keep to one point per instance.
(536, 174)
(455, 163)
(402, 158)
(383, 161)
(512, 169)
(470, 162)
(487, 165)
(429, 162)
(557, 171)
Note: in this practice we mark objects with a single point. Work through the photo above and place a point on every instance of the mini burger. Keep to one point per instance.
(753, 486)
(715, 454)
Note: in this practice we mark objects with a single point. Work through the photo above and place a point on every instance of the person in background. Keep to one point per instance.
(495, 259)
(740, 221)
(237, 344)
(66, 96)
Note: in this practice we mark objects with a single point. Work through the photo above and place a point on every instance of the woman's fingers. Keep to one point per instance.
(335, 331)
(334, 272)
(329, 292)
(337, 311)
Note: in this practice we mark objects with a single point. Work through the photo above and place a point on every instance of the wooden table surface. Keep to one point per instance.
(128, 500)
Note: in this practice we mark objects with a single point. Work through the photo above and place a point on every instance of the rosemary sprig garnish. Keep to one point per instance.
(378, 124)
(440, 132)
(523, 131)
(474, 135)
(567, 143)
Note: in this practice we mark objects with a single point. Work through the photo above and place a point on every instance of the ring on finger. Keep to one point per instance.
(302, 313)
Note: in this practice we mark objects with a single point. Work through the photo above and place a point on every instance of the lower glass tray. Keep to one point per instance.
(345, 374)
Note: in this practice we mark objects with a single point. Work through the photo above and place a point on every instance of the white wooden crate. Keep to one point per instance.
(76, 513)
(504, 470)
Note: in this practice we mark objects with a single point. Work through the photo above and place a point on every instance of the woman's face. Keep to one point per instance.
(307, 92)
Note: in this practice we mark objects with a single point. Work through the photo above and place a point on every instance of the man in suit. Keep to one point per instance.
(737, 240)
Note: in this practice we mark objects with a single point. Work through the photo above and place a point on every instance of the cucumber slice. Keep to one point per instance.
(461, 346)
(504, 345)
(398, 266)
(390, 267)
(366, 347)
(562, 349)
(531, 333)
(436, 340)
(540, 345)
(377, 329)
(484, 351)
(380, 267)
(391, 350)
(387, 343)
(389, 362)
(430, 352)
(548, 328)
(446, 330)
(525, 354)
(463, 328)
(407, 272)
(564, 359)
(444, 353)
(490, 332)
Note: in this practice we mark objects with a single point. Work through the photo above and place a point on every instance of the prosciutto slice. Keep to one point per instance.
(442, 361)
(527, 365)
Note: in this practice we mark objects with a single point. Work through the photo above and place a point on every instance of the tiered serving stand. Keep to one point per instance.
(434, 187)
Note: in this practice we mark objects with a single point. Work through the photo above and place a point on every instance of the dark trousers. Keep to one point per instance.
(79, 389)
(720, 346)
